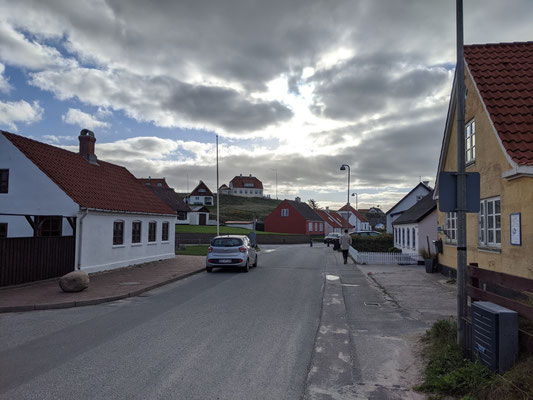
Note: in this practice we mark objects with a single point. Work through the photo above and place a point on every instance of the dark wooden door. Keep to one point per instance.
(202, 219)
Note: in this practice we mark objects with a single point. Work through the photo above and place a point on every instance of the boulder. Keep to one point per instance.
(74, 281)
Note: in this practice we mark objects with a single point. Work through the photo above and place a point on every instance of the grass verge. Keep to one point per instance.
(448, 374)
(195, 250)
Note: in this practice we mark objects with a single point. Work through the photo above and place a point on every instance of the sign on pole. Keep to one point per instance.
(448, 192)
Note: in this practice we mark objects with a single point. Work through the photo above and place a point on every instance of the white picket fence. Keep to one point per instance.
(384, 258)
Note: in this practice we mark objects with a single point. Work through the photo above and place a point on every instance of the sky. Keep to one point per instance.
(293, 89)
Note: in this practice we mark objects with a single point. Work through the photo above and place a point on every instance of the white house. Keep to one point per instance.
(417, 227)
(409, 200)
(184, 213)
(356, 219)
(201, 195)
(246, 186)
(115, 219)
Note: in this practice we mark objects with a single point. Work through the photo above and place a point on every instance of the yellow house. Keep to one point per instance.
(498, 145)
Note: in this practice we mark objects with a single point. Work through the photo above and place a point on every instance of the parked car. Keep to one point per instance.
(365, 233)
(331, 237)
(231, 251)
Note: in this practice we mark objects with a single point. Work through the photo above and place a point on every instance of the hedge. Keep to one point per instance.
(381, 243)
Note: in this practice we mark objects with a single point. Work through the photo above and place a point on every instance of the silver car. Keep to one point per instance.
(231, 251)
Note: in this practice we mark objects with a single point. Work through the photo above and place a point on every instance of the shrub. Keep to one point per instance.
(381, 243)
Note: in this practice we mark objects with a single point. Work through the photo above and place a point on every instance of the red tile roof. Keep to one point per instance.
(197, 190)
(328, 218)
(360, 216)
(239, 181)
(503, 74)
(157, 182)
(104, 186)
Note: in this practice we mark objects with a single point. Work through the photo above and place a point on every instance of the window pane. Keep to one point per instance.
(497, 206)
(490, 208)
(498, 221)
(491, 236)
(498, 237)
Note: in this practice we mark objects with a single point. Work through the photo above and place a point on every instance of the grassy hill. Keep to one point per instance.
(237, 208)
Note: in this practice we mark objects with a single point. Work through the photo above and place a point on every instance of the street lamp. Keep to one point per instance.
(343, 168)
(355, 194)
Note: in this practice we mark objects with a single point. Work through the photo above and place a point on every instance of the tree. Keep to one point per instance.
(313, 204)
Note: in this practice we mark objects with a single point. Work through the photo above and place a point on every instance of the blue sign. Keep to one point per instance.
(253, 238)
(448, 192)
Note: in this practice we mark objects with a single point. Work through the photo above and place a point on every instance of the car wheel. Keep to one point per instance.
(209, 269)
(255, 263)
(246, 268)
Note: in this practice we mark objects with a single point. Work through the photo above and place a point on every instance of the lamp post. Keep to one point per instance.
(356, 207)
(218, 197)
(343, 168)
(276, 181)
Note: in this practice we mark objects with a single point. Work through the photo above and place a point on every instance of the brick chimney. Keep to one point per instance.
(87, 141)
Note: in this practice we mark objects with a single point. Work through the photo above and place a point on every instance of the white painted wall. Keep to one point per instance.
(31, 192)
(200, 200)
(247, 192)
(98, 252)
(405, 204)
(427, 228)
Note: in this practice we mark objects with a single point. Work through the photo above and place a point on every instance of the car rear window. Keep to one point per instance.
(226, 242)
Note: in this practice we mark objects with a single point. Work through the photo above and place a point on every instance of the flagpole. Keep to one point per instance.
(218, 197)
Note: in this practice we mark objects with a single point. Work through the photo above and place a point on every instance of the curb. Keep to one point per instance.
(91, 302)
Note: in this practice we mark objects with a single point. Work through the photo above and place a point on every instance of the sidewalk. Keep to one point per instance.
(372, 319)
(104, 286)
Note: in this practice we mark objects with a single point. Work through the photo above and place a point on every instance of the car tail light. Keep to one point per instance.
(242, 249)
(209, 249)
(241, 260)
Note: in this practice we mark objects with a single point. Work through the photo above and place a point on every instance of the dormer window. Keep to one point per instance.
(201, 190)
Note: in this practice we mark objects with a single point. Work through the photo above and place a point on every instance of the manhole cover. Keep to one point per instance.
(369, 304)
(129, 283)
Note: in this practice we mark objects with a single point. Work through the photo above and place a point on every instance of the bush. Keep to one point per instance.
(381, 243)
(394, 250)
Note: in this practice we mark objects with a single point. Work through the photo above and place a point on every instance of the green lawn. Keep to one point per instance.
(195, 250)
(224, 230)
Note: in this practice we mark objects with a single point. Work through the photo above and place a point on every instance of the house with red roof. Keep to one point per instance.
(224, 189)
(201, 195)
(293, 216)
(246, 186)
(47, 191)
(333, 222)
(357, 220)
(499, 146)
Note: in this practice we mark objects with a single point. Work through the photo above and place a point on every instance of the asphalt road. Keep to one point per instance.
(224, 335)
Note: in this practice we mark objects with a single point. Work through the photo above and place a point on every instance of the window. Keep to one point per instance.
(321, 226)
(182, 215)
(413, 243)
(197, 198)
(234, 192)
(240, 191)
(284, 212)
(470, 142)
(49, 226)
(118, 233)
(310, 227)
(316, 226)
(451, 228)
(403, 236)
(247, 184)
(408, 237)
(164, 231)
(4, 180)
(201, 190)
(136, 232)
(152, 231)
(3, 230)
(490, 231)
(246, 192)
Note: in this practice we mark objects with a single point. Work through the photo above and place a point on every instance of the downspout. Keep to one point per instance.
(79, 237)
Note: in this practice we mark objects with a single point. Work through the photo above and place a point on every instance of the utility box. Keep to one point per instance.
(494, 335)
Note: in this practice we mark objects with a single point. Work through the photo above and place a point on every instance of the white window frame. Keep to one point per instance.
(470, 142)
(310, 227)
(451, 227)
(489, 223)
(284, 212)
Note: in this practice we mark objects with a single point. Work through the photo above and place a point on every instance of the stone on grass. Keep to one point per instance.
(74, 281)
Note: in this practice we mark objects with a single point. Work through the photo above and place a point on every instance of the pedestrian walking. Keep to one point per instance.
(345, 242)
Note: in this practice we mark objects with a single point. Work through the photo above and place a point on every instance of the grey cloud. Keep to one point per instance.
(369, 85)
(163, 100)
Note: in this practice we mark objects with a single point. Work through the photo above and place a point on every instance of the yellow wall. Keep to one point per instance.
(515, 196)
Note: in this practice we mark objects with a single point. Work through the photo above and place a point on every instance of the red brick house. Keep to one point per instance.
(293, 216)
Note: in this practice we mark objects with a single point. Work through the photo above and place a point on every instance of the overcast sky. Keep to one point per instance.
(297, 86)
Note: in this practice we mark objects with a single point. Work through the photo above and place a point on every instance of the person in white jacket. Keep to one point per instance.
(345, 243)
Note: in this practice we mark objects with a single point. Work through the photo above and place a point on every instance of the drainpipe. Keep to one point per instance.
(79, 226)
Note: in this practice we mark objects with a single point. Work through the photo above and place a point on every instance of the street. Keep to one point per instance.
(281, 331)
